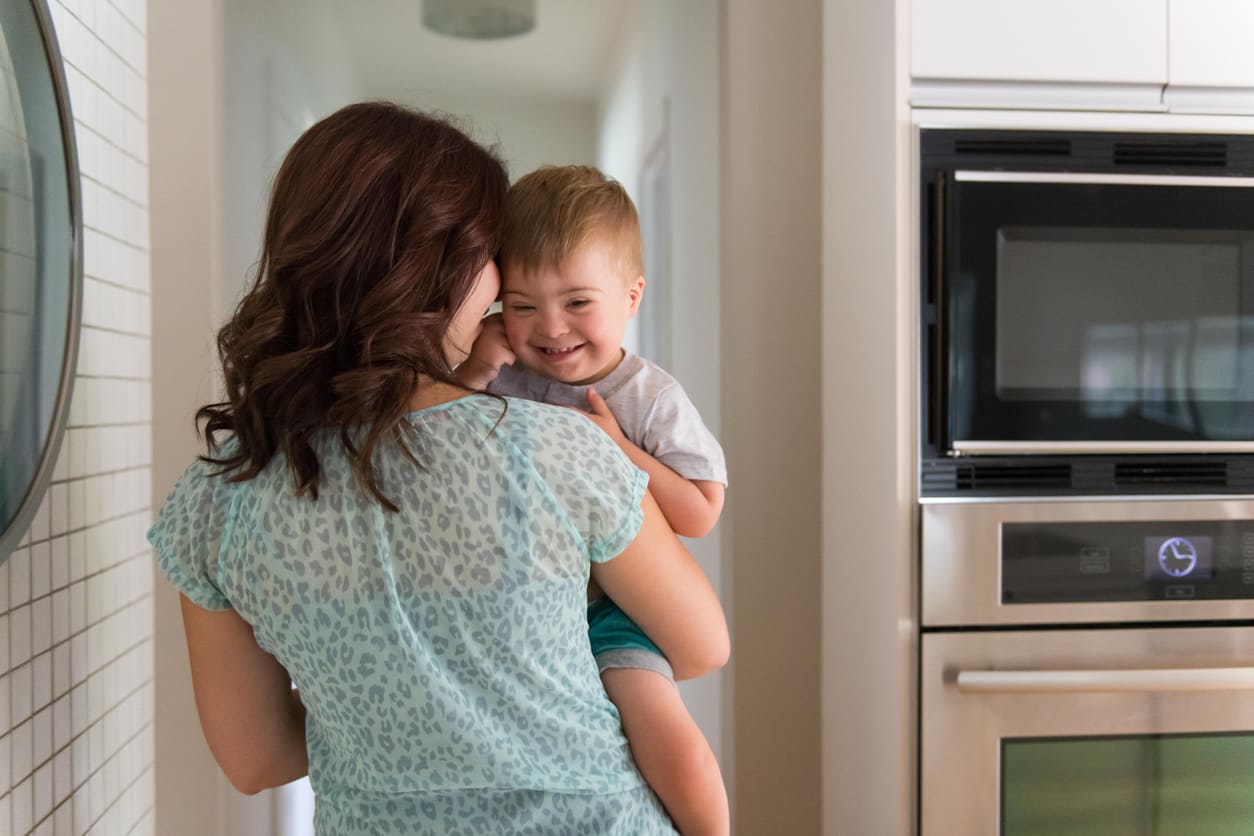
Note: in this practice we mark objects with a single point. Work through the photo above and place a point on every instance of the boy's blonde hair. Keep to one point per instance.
(554, 210)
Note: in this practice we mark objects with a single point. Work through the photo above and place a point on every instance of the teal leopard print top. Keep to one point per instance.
(442, 651)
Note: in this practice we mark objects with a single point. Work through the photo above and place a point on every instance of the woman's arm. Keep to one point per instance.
(657, 582)
(252, 719)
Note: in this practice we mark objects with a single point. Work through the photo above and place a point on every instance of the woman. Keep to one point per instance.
(412, 555)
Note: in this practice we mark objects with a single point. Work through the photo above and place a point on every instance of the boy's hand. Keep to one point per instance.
(490, 351)
(599, 411)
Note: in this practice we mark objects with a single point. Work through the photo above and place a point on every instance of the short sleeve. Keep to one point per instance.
(595, 484)
(675, 435)
(188, 533)
(616, 536)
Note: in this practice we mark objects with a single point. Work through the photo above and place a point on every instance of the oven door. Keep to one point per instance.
(1146, 732)
(1092, 313)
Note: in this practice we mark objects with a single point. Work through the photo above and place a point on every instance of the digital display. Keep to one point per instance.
(1134, 560)
(1175, 558)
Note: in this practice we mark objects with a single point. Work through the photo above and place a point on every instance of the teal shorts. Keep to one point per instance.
(618, 643)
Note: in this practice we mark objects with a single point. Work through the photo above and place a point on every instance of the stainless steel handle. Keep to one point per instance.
(964, 447)
(1063, 177)
(1073, 681)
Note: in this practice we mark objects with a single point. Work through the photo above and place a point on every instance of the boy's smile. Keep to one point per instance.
(567, 322)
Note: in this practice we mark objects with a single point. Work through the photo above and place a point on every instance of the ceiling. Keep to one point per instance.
(566, 57)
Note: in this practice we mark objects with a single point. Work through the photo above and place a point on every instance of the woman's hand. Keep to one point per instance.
(490, 351)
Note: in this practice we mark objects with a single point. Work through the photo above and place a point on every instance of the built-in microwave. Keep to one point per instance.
(1087, 313)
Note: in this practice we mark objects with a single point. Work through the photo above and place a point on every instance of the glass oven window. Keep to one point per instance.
(1150, 785)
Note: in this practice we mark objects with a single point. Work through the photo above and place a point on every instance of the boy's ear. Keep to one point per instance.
(635, 289)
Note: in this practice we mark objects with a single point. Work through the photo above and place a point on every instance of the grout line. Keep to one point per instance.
(119, 608)
(122, 791)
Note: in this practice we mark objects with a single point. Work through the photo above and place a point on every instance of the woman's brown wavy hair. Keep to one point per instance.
(380, 220)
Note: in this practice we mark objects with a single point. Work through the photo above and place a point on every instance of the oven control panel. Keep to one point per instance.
(1056, 562)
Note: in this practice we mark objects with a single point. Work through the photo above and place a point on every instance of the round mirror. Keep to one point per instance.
(41, 276)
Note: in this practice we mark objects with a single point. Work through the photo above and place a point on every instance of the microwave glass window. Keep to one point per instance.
(1154, 784)
(1120, 316)
(1097, 312)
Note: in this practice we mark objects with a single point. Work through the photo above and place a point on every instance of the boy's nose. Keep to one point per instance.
(552, 325)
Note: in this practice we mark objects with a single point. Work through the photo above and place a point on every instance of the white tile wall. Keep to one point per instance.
(76, 667)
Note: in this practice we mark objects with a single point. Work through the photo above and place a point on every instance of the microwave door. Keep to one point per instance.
(1095, 313)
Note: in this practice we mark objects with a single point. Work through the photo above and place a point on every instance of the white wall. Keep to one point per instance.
(771, 325)
(185, 135)
(869, 415)
(76, 670)
(285, 68)
(665, 89)
(527, 133)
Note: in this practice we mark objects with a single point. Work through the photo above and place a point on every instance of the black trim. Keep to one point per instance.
(1081, 151)
(1088, 475)
(1055, 627)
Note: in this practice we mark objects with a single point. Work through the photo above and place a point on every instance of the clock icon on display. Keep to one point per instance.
(1177, 557)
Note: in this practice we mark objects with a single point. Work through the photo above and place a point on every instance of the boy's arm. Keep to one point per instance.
(691, 506)
(490, 351)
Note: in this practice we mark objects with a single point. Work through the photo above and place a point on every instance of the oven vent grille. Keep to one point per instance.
(994, 477)
(1088, 476)
(1163, 474)
(1015, 146)
(1171, 154)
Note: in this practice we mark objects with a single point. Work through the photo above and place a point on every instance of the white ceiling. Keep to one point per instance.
(566, 57)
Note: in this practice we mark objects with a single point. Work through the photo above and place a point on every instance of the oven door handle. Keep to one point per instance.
(1072, 681)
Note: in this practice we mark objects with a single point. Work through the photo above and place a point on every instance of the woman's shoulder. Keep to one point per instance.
(561, 424)
(211, 483)
(541, 412)
(209, 471)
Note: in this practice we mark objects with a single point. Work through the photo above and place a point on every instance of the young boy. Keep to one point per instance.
(571, 278)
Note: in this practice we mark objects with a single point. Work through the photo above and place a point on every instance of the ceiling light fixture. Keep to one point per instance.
(479, 19)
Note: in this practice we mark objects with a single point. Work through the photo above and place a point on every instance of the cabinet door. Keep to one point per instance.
(1073, 41)
(1212, 62)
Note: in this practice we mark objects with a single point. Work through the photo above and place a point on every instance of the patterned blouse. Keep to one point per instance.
(441, 652)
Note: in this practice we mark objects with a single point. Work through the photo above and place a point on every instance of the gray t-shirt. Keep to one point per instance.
(650, 405)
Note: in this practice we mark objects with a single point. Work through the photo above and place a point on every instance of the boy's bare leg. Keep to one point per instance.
(670, 750)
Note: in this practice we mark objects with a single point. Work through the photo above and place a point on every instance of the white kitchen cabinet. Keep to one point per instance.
(1211, 64)
(1070, 54)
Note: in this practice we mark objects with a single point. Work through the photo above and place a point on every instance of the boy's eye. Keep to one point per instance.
(521, 308)
(578, 303)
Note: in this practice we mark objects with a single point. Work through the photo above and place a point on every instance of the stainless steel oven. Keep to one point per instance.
(1087, 307)
(1087, 667)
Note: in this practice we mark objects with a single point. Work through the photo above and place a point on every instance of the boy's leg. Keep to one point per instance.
(670, 750)
(665, 741)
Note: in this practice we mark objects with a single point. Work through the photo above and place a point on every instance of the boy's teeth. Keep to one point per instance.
(560, 350)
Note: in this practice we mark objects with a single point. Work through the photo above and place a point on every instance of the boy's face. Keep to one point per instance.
(568, 322)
